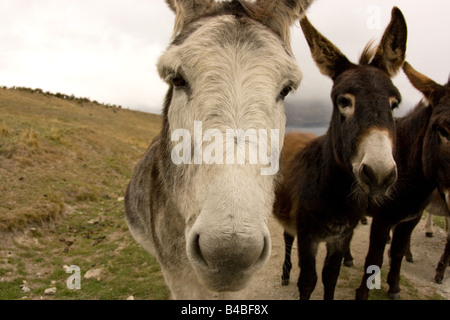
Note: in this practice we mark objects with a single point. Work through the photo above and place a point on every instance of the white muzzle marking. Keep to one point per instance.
(374, 166)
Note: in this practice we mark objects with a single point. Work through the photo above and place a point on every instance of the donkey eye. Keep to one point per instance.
(286, 90)
(444, 133)
(394, 103)
(178, 81)
(344, 101)
(346, 104)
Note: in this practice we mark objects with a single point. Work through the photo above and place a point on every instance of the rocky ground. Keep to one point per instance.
(418, 277)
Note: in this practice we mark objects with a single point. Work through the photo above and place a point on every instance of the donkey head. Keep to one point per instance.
(436, 144)
(228, 68)
(362, 127)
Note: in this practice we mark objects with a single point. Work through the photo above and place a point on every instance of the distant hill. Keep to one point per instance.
(304, 113)
(58, 152)
(316, 113)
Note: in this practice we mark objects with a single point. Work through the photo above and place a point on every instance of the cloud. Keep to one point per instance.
(107, 49)
(352, 28)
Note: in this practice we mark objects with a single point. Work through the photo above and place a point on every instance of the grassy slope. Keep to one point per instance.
(69, 162)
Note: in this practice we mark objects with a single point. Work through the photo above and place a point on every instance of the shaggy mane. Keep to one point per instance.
(368, 53)
(275, 14)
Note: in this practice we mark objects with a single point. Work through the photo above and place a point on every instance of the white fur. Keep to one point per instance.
(231, 86)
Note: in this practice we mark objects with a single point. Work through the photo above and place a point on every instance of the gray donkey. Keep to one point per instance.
(199, 199)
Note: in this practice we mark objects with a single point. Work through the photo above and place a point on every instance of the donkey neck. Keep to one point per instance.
(411, 131)
(330, 158)
(324, 186)
(330, 175)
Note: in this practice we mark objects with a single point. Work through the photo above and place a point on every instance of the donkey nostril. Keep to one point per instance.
(197, 252)
(367, 174)
(377, 181)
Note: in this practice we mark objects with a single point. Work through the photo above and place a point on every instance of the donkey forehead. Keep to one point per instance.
(207, 43)
(366, 82)
(445, 100)
(441, 113)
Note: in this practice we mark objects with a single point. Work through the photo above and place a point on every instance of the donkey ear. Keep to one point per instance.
(278, 15)
(430, 89)
(188, 10)
(171, 5)
(330, 60)
(390, 54)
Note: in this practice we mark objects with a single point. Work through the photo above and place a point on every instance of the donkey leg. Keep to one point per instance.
(408, 253)
(379, 233)
(332, 266)
(447, 225)
(287, 265)
(400, 243)
(443, 262)
(348, 258)
(429, 225)
(307, 251)
(447, 228)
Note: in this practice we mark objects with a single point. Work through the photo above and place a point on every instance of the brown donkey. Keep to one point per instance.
(328, 183)
(423, 159)
(437, 207)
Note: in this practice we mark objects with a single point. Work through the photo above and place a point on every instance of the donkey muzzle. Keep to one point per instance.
(224, 260)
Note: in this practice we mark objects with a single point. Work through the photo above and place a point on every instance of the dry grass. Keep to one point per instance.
(55, 152)
(64, 167)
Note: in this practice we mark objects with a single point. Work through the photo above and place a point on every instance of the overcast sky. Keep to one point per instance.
(107, 49)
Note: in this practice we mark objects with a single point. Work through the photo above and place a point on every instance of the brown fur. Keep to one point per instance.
(293, 143)
(316, 198)
(422, 83)
(423, 160)
(390, 54)
(439, 207)
(329, 59)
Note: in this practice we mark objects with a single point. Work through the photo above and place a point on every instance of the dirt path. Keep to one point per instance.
(419, 275)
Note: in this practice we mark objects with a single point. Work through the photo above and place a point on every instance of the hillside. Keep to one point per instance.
(64, 167)
(50, 147)
(307, 113)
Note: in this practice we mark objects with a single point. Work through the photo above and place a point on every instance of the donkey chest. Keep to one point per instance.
(336, 228)
(330, 224)
(326, 207)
